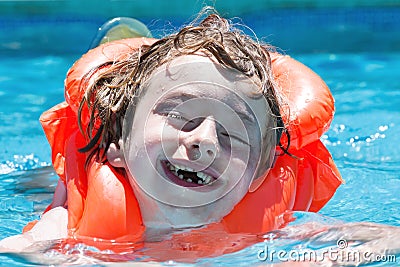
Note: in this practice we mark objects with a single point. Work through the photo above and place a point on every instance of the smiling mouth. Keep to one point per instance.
(185, 176)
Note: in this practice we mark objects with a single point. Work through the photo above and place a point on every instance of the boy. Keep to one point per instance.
(182, 132)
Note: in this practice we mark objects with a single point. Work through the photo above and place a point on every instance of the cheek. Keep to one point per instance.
(241, 153)
(238, 174)
(145, 138)
(150, 130)
(245, 158)
(156, 137)
(234, 165)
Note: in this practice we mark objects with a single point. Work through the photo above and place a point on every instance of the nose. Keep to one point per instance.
(202, 141)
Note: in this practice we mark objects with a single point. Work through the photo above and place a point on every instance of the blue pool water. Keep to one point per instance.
(363, 139)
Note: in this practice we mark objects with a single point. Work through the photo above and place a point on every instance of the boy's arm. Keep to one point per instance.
(60, 195)
(52, 225)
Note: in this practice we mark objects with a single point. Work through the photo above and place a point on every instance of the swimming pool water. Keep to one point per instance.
(364, 136)
(363, 139)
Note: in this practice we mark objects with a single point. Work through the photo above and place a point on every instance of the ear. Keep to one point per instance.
(115, 155)
(263, 170)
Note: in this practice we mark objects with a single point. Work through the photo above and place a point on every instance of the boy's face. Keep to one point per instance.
(194, 145)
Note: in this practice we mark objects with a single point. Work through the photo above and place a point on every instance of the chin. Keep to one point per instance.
(212, 192)
(158, 215)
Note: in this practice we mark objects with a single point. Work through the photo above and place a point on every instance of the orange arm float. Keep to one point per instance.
(101, 203)
(311, 105)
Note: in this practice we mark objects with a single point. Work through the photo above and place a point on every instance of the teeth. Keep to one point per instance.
(201, 175)
(183, 168)
(204, 178)
(170, 166)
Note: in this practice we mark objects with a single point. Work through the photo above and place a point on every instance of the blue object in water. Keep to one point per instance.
(120, 28)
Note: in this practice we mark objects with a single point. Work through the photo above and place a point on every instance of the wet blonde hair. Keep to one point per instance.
(108, 97)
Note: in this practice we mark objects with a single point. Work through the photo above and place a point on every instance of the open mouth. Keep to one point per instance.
(185, 176)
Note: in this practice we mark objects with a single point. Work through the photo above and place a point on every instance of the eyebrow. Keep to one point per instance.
(243, 113)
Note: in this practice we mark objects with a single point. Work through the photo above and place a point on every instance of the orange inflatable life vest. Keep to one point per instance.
(101, 204)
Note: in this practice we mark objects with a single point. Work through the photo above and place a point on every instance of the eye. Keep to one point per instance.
(182, 122)
(175, 115)
(234, 138)
(225, 134)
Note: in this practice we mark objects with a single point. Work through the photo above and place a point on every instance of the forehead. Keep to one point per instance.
(202, 68)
